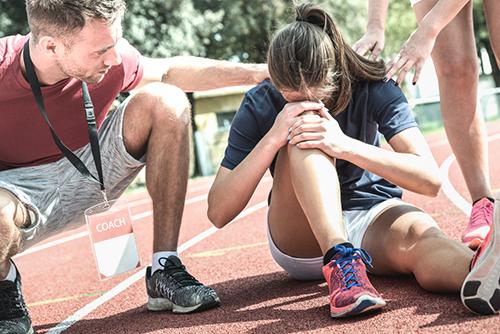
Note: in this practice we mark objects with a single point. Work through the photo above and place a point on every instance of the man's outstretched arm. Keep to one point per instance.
(198, 74)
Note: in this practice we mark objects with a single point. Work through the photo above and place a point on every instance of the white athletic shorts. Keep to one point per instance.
(356, 223)
(414, 2)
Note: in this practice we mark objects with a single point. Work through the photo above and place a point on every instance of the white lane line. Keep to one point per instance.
(52, 244)
(86, 233)
(450, 191)
(122, 286)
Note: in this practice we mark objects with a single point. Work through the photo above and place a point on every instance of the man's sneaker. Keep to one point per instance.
(14, 317)
(479, 223)
(480, 291)
(350, 290)
(173, 288)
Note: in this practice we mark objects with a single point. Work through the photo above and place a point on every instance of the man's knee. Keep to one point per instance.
(167, 103)
(13, 216)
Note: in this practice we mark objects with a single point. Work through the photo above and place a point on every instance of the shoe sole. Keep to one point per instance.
(480, 292)
(363, 304)
(163, 304)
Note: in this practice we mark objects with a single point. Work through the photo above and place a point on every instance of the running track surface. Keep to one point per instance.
(63, 292)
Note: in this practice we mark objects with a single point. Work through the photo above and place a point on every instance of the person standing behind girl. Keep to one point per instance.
(446, 29)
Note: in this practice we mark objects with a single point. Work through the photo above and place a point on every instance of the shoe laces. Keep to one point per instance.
(346, 263)
(480, 214)
(173, 267)
(11, 304)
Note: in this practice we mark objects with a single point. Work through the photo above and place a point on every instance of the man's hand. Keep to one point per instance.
(261, 73)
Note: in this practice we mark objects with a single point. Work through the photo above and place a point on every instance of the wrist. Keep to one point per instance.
(429, 29)
(349, 151)
(375, 26)
(271, 143)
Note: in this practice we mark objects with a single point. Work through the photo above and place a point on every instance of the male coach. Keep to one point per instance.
(53, 166)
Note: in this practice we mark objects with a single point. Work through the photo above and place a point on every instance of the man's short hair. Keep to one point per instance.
(61, 18)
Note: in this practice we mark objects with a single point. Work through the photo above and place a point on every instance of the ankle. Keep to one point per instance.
(7, 271)
(157, 256)
(491, 199)
(330, 254)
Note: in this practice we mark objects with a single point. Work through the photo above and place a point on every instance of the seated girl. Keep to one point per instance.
(335, 210)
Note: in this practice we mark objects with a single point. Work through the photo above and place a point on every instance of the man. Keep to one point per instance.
(446, 29)
(41, 193)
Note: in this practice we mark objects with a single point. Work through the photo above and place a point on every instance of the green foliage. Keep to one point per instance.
(400, 24)
(245, 26)
(12, 18)
(237, 30)
(167, 28)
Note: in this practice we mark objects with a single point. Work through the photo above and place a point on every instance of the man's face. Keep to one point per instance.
(91, 51)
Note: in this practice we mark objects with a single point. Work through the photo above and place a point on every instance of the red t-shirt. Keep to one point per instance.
(25, 138)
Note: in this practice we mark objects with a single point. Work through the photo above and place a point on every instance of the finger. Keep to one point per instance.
(356, 46)
(395, 67)
(418, 70)
(310, 105)
(325, 113)
(294, 109)
(308, 118)
(377, 50)
(302, 121)
(310, 144)
(306, 136)
(402, 74)
(363, 49)
(307, 128)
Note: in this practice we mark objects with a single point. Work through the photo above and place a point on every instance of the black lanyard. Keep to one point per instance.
(89, 114)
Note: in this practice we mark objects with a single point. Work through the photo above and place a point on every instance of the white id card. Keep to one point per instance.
(112, 237)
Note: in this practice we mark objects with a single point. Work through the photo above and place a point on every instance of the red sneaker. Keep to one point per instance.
(480, 292)
(350, 290)
(480, 222)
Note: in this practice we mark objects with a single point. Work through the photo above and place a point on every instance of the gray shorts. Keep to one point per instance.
(56, 194)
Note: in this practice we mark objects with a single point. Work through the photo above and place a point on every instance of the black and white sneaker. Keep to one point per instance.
(14, 317)
(481, 289)
(174, 289)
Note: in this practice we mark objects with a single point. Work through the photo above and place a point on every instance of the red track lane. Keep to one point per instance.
(257, 296)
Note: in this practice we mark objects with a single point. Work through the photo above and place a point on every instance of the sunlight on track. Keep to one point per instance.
(450, 191)
(87, 309)
(64, 299)
(223, 251)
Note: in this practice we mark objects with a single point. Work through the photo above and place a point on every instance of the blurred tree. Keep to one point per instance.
(400, 24)
(168, 28)
(246, 27)
(483, 39)
(240, 30)
(12, 18)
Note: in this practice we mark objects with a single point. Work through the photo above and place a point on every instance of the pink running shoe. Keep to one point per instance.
(350, 290)
(480, 223)
(480, 292)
